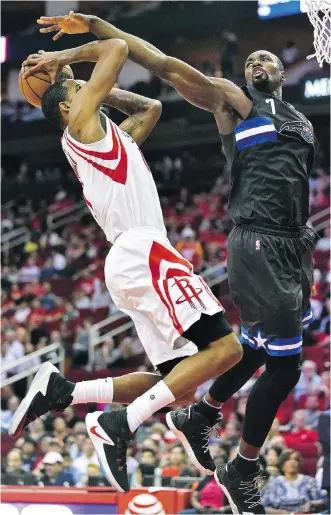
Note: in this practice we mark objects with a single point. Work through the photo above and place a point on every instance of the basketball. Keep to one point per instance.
(34, 86)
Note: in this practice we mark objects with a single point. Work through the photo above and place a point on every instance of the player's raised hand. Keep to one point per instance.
(52, 62)
(73, 23)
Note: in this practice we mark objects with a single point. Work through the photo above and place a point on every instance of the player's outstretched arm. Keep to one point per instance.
(143, 112)
(196, 88)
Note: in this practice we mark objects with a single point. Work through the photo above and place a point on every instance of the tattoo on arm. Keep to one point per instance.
(127, 102)
(131, 124)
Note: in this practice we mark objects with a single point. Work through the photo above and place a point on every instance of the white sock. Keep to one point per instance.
(211, 405)
(99, 390)
(151, 401)
(248, 459)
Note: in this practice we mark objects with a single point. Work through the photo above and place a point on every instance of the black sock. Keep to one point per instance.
(208, 411)
(245, 466)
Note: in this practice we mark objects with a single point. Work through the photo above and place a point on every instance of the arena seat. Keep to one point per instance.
(316, 354)
(62, 287)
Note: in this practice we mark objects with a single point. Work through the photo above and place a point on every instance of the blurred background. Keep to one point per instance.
(54, 301)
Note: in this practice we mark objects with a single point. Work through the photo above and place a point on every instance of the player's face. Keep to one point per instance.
(262, 71)
(73, 86)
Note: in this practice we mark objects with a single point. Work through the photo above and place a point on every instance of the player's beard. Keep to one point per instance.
(262, 83)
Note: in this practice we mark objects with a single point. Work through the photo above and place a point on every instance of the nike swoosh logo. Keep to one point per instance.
(93, 430)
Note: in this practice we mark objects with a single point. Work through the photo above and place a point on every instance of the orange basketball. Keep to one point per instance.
(34, 86)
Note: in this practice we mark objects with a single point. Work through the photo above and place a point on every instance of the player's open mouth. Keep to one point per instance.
(258, 72)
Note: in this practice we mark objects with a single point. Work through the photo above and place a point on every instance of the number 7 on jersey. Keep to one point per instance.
(272, 102)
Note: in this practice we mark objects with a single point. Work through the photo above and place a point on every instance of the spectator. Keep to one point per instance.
(309, 380)
(29, 271)
(229, 49)
(101, 297)
(231, 433)
(312, 411)
(272, 461)
(81, 346)
(53, 471)
(81, 463)
(60, 429)
(76, 448)
(147, 465)
(59, 261)
(36, 430)
(292, 491)
(207, 496)
(14, 473)
(176, 464)
(70, 417)
(7, 415)
(14, 349)
(324, 438)
(28, 450)
(290, 53)
(324, 242)
(191, 249)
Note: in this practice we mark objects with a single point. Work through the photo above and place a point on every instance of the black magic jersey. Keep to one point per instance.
(271, 155)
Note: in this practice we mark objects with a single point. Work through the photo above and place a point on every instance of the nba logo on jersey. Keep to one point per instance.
(258, 245)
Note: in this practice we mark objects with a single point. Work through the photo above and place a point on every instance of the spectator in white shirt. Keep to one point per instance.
(59, 261)
(29, 271)
(80, 464)
(7, 415)
(324, 242)
(14, 349)
(82, 301)
(101, 297)
(309, 380)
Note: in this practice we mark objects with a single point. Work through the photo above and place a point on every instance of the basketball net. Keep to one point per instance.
(319, 13)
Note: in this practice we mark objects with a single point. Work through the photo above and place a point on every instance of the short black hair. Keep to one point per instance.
(55, 94)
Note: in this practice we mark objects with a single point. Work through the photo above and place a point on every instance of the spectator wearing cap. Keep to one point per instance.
(14, 474)
(190, 248)
(53, 471)
(309, 380)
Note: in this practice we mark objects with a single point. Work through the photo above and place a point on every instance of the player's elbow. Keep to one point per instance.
(156, 108)
(119, 46)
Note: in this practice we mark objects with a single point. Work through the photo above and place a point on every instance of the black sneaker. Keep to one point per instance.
(242, 492)
(49, 391)
(110, 435)
(194, 431)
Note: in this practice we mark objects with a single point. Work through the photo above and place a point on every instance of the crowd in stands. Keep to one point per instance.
(53, 290)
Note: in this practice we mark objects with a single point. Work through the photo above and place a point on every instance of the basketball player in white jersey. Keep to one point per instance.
(179, 321)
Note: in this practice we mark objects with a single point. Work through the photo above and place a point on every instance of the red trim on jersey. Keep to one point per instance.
(157, 254)
(119, 173)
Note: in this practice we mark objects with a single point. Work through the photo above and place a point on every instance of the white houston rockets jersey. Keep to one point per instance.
(118, 186)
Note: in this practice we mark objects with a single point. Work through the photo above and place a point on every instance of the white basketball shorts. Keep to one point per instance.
(153, 284)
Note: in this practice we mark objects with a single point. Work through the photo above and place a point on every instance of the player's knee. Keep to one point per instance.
(281, 384)
(229, 350)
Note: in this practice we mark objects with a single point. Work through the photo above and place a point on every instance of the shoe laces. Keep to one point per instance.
(251, 490)
(211, 432)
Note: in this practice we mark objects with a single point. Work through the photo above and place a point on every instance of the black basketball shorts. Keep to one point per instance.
(270, 275)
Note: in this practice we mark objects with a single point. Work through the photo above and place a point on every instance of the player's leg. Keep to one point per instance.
(49, 391)
(272, 321)
(194, 425)
(217, 357)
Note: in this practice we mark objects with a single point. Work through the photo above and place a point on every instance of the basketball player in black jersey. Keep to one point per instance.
(269, 147)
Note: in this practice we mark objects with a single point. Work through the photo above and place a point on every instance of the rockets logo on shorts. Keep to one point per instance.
(188, 292)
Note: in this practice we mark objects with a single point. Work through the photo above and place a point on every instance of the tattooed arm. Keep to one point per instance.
(143, 112)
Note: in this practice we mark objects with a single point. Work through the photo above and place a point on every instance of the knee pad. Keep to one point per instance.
(279, 383)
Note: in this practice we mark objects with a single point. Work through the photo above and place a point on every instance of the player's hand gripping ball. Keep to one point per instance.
(34, 86)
